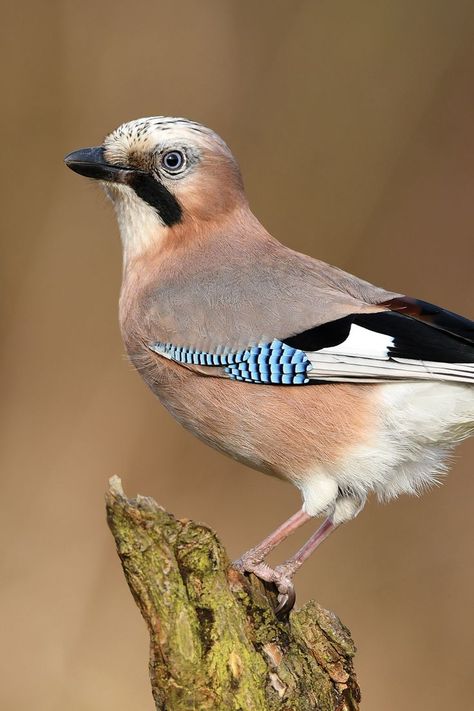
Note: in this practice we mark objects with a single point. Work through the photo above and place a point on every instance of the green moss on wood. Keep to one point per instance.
(215, 643)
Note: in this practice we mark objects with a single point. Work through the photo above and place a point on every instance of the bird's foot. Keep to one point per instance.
(280, 576)
(247, 562)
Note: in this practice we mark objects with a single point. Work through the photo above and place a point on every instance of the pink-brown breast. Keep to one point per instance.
(287, 431)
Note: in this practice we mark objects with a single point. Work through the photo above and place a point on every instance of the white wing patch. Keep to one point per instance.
(364, 357)
(362, 343)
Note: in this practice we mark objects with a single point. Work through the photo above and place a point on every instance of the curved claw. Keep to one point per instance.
(279, 576)
(286, 602)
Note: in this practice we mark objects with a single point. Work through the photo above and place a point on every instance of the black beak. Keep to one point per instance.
(91, 163)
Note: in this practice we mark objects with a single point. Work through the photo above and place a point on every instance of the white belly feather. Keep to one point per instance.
(419, 423)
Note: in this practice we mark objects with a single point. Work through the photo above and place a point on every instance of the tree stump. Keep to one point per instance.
(215, 642)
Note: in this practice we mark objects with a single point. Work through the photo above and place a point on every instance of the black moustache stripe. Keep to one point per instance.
(158, 197)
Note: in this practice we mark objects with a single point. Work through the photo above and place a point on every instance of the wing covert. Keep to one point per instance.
(360, 348)
(274, 363)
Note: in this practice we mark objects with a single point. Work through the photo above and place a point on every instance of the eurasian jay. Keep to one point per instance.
(292, 366)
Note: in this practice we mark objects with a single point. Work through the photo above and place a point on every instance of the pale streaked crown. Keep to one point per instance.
(149, 134)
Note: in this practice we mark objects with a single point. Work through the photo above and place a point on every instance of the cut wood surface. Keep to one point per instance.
(215, 641)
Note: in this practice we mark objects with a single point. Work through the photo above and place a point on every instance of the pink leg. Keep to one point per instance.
(254, 557)
(252, 561)
(290, 566)
(286, 570)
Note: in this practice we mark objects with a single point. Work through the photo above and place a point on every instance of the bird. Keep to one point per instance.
(290, 365)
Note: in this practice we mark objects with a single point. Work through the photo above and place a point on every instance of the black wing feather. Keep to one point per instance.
(412, 338)
(435, 316)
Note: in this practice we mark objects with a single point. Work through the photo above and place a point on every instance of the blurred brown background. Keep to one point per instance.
(353, 123)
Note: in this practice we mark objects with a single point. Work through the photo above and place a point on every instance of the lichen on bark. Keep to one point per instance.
(215, 641)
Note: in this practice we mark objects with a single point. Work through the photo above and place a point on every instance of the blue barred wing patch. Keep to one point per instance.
(274, 363)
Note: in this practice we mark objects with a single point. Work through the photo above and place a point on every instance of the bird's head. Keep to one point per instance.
(164, 176)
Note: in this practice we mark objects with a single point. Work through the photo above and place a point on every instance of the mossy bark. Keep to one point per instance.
(215, 642)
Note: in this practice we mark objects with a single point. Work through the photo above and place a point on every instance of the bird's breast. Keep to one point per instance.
(284, 431)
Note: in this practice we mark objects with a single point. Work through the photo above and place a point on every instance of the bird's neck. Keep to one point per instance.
(173, 275)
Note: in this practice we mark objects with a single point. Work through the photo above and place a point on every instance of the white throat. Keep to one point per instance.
(139, 224)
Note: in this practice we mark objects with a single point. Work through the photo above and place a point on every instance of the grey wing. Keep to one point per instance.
(267, 314)
(360, 348)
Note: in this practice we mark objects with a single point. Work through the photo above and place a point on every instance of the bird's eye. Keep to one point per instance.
(173, 161)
